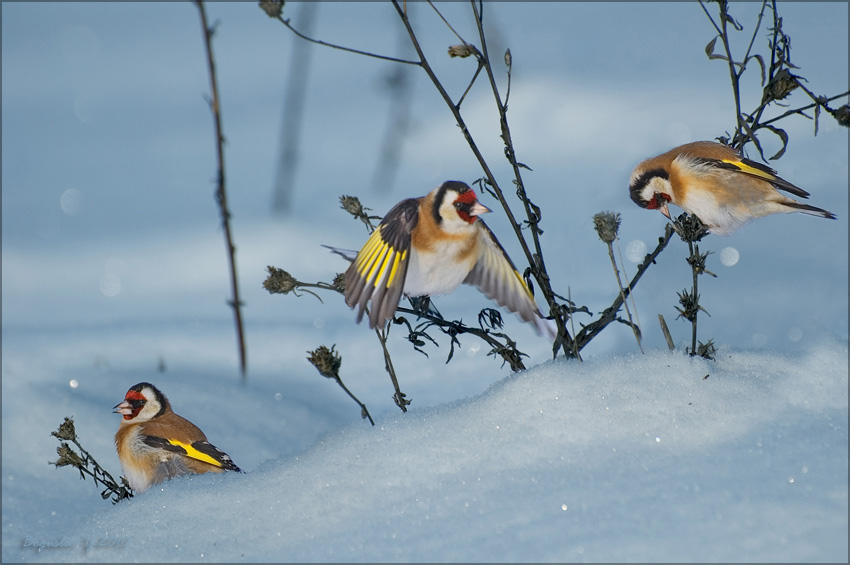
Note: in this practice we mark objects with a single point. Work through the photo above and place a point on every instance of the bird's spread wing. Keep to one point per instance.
(380, 268)
(347, 254)
(758, 170)
(199, 450)
(497, 277)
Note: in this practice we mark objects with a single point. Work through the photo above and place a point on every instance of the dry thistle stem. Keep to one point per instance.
(279, 281)
(66, 430)
(67, 456)
(274, 8)
(690, 306)
(607, 225)
(842, 115)
(690, 228)
(86, 464)
(327, 361)
(782, 85)
(706, 351)
(339, 282)
(462, 51)
(697, 262)
(352, 205)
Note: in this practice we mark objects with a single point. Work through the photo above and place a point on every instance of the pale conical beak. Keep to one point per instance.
(478, 208)
(123, 408)
(663, 209)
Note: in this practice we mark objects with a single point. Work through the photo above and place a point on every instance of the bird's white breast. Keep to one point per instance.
(133, 461)
(440, 270)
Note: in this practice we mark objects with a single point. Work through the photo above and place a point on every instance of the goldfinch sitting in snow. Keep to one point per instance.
(430, 245)
(713, 182)
(155, 444)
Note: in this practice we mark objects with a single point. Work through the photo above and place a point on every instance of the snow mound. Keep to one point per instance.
(654, 457)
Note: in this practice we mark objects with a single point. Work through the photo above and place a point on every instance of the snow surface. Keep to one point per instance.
(654, 457)
(114, 273)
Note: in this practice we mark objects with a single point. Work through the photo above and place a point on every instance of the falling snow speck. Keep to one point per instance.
(636, 251)
(795, 334)
(729, 256)
(73, 383)
(110, 285)
(71, 201)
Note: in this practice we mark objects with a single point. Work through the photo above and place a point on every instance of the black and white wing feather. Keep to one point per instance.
(378, 272)
(497, 277)
(199, 450)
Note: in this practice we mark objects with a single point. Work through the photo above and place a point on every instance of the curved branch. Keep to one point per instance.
(342, 48)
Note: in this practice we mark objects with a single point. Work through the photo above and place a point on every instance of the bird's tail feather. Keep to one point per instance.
(812, 210)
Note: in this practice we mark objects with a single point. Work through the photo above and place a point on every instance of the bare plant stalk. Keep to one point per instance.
(591, 330)
(632, 296)
(607, 225)
(695, 293)
(398, 397)
(777, 80)
(635, 328)
(692, 230)
(327, 362)
(666, 331)
(293, 116)
(221, 194)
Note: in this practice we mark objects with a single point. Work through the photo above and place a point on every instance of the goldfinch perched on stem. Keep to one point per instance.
(713, 182)
(155, 444)
(430, 245)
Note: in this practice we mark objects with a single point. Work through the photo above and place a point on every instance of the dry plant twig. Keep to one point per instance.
(221, 194)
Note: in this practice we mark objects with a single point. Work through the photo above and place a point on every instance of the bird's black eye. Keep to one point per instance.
(458, 205)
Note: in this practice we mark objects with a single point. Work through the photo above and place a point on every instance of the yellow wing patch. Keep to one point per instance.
(744, 168)
(194, 453)
(377, 256)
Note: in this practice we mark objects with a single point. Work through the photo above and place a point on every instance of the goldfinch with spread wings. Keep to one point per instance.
(431, 245)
